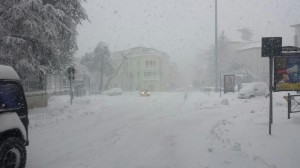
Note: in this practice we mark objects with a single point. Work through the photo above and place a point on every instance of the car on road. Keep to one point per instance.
(144, 92)
(253, 89)
(112, 92)
(13, 120)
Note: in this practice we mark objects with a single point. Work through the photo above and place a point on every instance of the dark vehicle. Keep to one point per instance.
(13, 120)
(113, 92)
(144, 92)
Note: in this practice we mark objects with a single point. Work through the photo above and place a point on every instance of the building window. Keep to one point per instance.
(131, 75)
(149, 74)
(150, 64)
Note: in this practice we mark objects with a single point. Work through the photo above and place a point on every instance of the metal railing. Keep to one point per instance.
(293, 103)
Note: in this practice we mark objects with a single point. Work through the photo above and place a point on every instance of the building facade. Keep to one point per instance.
(142, 68)
(255, 66)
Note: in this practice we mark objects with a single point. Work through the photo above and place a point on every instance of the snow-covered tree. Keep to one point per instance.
(224, 58)
(38, 36)
(98, 62)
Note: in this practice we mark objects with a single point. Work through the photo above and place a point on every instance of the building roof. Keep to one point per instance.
(7, 72)
(137, 51)
(250, 46)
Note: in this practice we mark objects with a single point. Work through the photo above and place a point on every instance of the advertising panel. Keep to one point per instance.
(286, 73)
(229, 83)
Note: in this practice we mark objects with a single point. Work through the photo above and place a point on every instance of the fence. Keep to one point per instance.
(36, 99)
(293, 103)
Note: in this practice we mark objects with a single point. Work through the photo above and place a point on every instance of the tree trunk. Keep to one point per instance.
(101, 73)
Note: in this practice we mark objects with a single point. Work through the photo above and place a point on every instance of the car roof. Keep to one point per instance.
(7, 72)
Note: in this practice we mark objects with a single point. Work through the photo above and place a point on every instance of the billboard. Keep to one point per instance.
(287, 73)
(229, 83)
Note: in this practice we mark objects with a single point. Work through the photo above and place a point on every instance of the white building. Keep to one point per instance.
(143, 68)
(249, 57)
(297, 35)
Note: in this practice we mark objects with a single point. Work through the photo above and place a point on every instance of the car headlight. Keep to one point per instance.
(142, 92)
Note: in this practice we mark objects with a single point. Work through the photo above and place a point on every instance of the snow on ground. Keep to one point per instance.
(165, 130)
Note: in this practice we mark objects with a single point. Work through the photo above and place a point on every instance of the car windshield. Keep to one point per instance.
(151, 83)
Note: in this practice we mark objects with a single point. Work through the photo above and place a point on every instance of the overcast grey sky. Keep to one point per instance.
(182, 27)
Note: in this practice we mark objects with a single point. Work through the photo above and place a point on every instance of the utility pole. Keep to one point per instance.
(216, 48)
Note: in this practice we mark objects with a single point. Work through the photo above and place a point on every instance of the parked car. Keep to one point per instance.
(13, 120)
(144, 92)
(112, 92)
(253, 89)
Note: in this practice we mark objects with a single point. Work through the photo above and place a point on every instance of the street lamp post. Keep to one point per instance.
(216, 47)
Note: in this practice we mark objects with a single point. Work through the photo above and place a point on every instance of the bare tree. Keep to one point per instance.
(98, 62)
(246, 34)
(115, 74)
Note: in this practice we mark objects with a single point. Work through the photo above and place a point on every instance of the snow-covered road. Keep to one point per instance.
(162, 131)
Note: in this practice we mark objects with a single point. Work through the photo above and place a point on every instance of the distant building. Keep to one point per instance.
(202, 77)
(243, 60)
(255, 67)
(143, 68)
(297, 35)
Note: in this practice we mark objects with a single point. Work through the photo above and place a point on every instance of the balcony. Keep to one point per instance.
(152, 78)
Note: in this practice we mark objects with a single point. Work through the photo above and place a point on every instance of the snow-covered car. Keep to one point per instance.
(253, 89)
(144, 92)
(13, 120)
(112, 92)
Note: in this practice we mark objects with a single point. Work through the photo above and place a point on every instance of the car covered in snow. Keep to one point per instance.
(112, 92)
(253, 89)
(13, 120)
(144, 92)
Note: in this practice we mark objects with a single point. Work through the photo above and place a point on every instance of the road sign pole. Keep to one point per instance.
(271, 95)
(271, 47)
(220, 84)
(289, 106)
(71, 91)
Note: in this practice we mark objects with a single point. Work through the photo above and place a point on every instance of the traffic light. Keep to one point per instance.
(71, 73)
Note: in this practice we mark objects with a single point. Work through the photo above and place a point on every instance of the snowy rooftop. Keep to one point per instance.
(137, 51)
(7, 72)
(251, 46)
